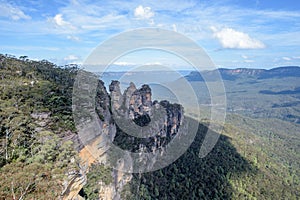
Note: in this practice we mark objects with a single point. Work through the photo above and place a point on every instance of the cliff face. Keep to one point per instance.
(161, 118)
(143, 126)
(133, 104)
(233, 74)
(157, 123)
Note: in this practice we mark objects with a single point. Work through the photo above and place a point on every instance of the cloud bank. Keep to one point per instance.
(232, 39)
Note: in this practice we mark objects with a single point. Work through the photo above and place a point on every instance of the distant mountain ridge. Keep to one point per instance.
(233, 74)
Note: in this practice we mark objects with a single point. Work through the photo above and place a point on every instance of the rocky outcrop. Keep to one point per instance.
(140, 101)
(155, 124)
(144, 125)
(127, 96)
(76, 180)
(72, 136)
(116, 95)
(136, 105)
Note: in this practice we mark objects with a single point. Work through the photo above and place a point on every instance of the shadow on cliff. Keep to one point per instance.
(191, 177)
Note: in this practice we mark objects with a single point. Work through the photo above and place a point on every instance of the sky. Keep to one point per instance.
(234, 33)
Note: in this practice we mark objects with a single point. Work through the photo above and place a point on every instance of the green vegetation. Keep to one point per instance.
(242, 165)
(253, 159)
(272, 146)
(35, 112)
(277, 98)
(97, 172)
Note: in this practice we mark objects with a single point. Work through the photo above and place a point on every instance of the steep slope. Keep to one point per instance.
(242, 165)
(134, 106)
(41, 156)
(37, 133)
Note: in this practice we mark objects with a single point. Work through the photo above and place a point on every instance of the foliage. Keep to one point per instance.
(35, 109)
(253, 159)
(191, 177)
(241, 166)
(42, 173)
(97, 173)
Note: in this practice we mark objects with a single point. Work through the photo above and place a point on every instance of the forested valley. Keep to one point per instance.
(39, 148)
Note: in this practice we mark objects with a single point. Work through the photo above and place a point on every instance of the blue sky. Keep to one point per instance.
(234, 33)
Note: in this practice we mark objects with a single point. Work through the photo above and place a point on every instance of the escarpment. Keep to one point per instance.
(152, 123)
(132, 122)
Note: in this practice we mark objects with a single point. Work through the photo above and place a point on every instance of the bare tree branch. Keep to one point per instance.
(12, 190)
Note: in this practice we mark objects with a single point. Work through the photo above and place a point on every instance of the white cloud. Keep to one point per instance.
(232, 39)
(61, 24)
(286, 58)
(73, 38)
(296, 57)
(123, 63)
(59, 20)
(141, 12)
(71, 58)
(244, 56)
(12, 12)
(174, 27)
(29, 48)
(95, 21)
(248, 59)
(81, 17)
(154, 63)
